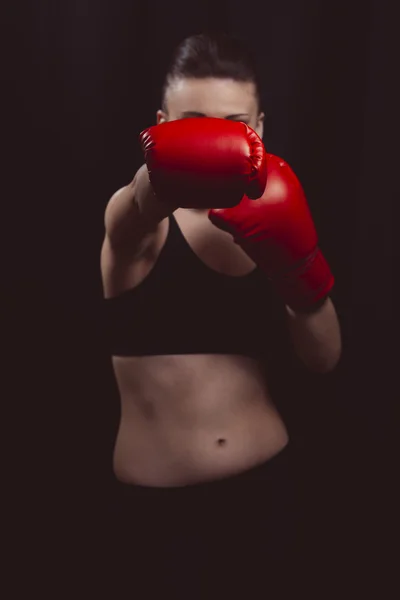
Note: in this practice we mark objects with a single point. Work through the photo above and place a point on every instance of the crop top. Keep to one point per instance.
(185, 307)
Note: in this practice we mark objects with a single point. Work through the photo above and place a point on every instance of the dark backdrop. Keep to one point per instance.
(82, 80)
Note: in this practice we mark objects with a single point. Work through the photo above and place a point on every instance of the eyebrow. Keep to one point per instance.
(189, 113)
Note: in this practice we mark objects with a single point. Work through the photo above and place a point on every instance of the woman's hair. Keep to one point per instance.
(212, 55)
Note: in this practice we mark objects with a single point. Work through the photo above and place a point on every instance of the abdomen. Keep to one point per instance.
(188, 419)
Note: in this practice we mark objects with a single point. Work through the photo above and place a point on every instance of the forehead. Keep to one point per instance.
(211, 96)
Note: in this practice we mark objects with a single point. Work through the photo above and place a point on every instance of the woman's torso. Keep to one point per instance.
(190, 418)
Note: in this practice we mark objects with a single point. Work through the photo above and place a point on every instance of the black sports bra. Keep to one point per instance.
(184, 307)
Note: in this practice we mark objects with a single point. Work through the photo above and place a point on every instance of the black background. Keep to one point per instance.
(82, 79)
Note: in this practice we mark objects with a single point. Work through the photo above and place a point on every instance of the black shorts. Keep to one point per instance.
(228, 534)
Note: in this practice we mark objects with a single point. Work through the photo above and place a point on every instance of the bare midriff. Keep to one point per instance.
(188, 419)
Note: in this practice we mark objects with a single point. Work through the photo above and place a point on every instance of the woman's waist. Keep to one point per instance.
(191, 407)
(186, 385)
(196, 449)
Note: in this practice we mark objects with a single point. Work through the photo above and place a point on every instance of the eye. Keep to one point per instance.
(240, 121)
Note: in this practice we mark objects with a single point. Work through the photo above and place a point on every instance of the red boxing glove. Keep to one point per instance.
(204, 162)
(278, 233)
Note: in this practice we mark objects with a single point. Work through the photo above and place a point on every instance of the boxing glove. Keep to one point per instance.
(204, 162)
(278, 233)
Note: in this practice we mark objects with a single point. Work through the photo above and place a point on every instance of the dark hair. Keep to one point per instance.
(212, 55)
